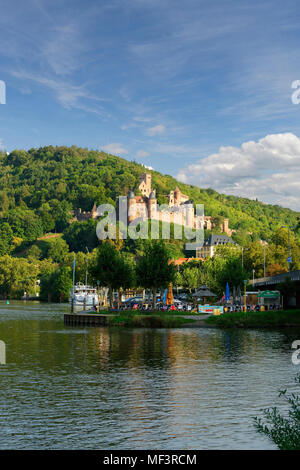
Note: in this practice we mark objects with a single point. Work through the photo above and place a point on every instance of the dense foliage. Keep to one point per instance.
(40, 189)
(44, 184)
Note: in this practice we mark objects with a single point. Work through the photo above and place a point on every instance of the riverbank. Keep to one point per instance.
(269, 319)
(129, 319)
(157, 320)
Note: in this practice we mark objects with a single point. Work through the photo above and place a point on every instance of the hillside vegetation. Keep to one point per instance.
(45, 184)
(40, 189)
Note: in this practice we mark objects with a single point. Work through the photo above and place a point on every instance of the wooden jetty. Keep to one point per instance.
(86, 319)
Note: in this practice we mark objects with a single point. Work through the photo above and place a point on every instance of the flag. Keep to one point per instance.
(74, 264)
(227, 293)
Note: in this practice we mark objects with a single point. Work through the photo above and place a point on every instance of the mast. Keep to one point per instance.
(74, 264)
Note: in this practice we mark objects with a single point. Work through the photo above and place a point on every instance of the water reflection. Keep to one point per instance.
(97, 388)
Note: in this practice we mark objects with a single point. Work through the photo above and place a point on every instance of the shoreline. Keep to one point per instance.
(277, 319)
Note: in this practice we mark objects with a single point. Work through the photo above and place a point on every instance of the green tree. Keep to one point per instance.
(24, 223)
(34, 253)
(112, 269)
(6, 239)
(153, 268)
(63, 282)
(80, 235)
(190, 278)
(56, 284)
(225, 266)
(58, 248)
(16, 276)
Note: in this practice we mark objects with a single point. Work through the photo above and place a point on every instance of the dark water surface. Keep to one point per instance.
(99, 388)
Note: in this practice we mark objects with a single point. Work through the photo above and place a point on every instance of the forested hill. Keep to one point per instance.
(45, 184)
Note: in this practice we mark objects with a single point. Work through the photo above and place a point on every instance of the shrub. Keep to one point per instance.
(284, 431)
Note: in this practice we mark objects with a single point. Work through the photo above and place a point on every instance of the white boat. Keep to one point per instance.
(84, 294)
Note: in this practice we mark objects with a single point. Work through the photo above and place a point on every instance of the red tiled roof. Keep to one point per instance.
(180, 261)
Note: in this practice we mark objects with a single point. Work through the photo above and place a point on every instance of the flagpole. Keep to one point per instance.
(73, 296)
(74, 263)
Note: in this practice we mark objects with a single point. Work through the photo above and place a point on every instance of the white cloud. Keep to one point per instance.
(142, 154)
(115, 149)
(268, 170)
(156, 130)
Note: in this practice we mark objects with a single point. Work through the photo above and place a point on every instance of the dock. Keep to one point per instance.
(86, 319)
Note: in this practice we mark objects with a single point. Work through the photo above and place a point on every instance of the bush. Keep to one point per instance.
(284, 431)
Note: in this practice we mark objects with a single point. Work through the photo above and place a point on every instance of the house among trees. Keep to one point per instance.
(207, 250)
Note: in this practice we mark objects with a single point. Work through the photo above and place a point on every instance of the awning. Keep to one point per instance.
(269, 294)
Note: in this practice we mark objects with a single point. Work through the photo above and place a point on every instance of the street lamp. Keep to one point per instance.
(243, 255)
(245, 295)
(87, 262)
(253, 272)
(289, 260)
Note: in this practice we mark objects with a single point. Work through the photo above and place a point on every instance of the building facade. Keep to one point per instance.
(179, 209)
(208, 249)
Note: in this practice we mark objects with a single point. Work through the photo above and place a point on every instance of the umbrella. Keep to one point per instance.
(227, 293)
(234, 293)
(169, 297)
(204, 292)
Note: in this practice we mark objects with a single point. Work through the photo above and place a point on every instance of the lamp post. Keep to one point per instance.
(98, 306)
(264, 260)
(245, 295)
(243, 256)
(253, 272)
(87, 262)
(289, 260)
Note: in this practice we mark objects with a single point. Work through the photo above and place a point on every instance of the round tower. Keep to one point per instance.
(189, 213)
(131, 206)
(152, 206)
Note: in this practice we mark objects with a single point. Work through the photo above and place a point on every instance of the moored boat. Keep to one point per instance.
(83, 294)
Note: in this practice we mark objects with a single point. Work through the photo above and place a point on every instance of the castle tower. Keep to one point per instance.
(226, 226)
(145, 184)
(189, 213)
(177, 198)
(94, 211)
(131, 206)
(171, 198)
(152, 206)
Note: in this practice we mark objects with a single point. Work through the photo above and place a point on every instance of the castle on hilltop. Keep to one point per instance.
(179, 209)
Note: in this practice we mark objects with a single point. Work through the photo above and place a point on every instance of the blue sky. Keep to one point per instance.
(197, 89)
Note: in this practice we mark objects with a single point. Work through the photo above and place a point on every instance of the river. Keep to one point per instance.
(118, 388)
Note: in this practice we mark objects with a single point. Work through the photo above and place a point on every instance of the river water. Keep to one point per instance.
(118, 388)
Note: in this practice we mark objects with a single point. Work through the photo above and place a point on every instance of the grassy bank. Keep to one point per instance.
(273, 319)
(147, 313)
(148, 321)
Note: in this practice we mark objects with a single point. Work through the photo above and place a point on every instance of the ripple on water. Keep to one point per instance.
(98, 388)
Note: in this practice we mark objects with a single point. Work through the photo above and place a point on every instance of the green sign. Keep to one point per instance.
(269, 294)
